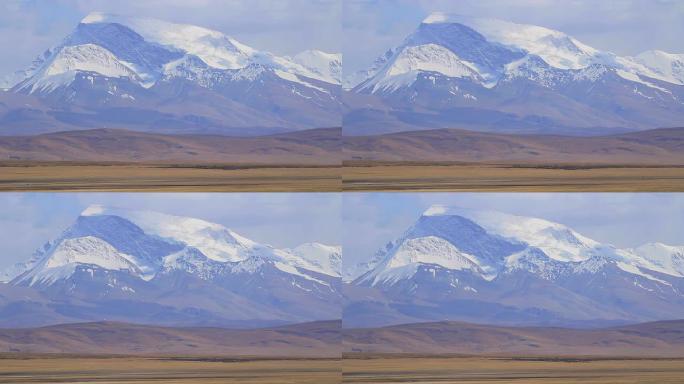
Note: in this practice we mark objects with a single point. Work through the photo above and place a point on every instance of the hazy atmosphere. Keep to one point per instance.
(622, 219)
(327, 191)
(282, 220)
(28, 27)
(625, 27)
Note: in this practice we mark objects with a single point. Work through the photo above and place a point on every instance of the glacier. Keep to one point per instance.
(493, 75)
(555, 48)
(142, 242)
(485, 266)
(438, 237)
(156, 76)
(162, 44)
(113, 262)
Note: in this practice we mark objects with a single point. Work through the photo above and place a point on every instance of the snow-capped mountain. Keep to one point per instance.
(175, 77)
(326, 66)
(325, 258)
(186, 270)
(488, 74)
(666, 257)
(517, 270)
(665, 65)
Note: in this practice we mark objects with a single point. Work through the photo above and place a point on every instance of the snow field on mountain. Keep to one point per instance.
(204, 248)
(556, 49)
(545, 245)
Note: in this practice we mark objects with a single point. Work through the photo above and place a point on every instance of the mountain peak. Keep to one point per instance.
(135, 64)
(145, 241)
(667, 66)
(139, 266)
(491, 239)
(482, 65)
(70, 253)
(557, 240)
(453, 260)
(324, 65)
(320, 257)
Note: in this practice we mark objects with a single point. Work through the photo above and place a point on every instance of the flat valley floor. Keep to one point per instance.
(548, 370)
(385, 369)
(171, 370)
(171, 178)
(511, 178)
(350, 177)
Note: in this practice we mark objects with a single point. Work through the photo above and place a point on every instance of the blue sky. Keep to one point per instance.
(28, 27)
(626, 27)
(28, 220)
(370, 220)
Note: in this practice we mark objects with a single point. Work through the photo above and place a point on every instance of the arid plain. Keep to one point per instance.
(508, 369)
(455, 352)
(129, 353)
(459, 160)
(421, 176)
(323, 160)
(121, 160)
(132, 177)
(165, 369)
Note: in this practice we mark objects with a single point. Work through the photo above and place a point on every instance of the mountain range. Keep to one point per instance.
(490, 267)
(659, 339)
(153, 268)
(321, 146)
(652, 147)
(156, 76)
(497, 76)
(317, 339)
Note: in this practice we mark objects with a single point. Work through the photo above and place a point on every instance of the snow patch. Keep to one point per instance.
(433, 250)
(669, 66)
(328, 66)
(295, 79)
(635, 78)
(71, 253)
(663, 258)
(411, 61)
(326, 259)
(62, 69)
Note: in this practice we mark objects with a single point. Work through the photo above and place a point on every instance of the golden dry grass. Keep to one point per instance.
(510, 178)
(352, 369)
(549, 370)
(171, 370)
(171, 178)
(350, 177)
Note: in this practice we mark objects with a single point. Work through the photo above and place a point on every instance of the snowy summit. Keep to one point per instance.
(468, 71)
(488, 266)
(111, 263)
(180, 75)
(147, 243)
